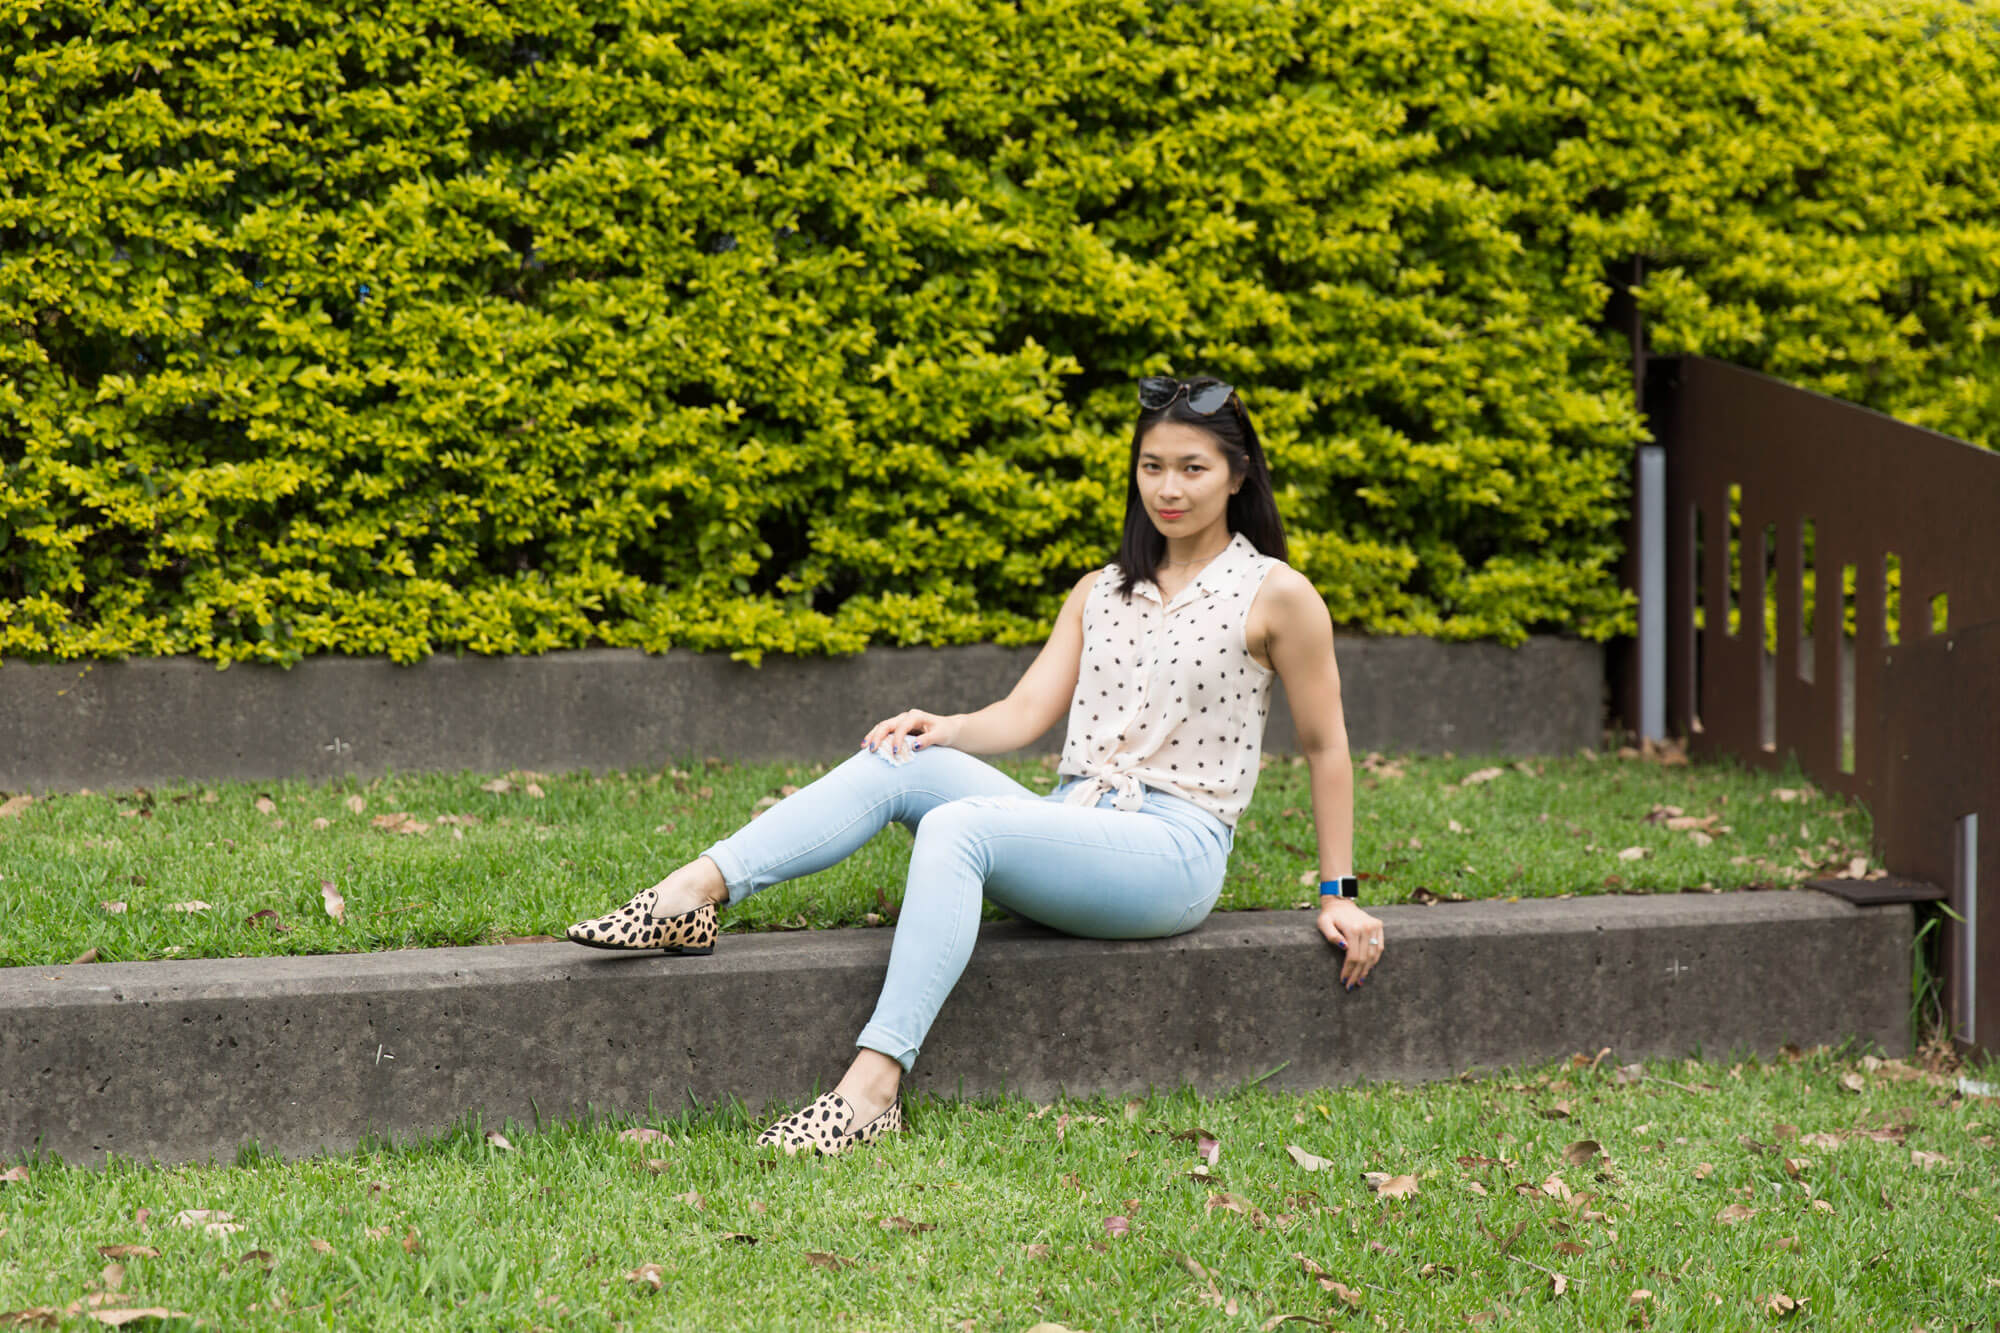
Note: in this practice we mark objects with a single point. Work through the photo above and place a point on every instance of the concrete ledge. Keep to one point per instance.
(188, 1060)
(109, 724)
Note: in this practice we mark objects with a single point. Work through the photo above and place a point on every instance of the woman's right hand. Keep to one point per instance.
(912, 730)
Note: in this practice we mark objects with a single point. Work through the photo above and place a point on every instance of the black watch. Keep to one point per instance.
(1347, 886)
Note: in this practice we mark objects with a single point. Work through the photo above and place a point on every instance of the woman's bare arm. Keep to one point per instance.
(1042, 696)
(1300, 643)
(1036, 703)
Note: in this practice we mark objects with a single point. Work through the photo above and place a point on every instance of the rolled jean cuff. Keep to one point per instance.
(879, 1039)
(735, 875)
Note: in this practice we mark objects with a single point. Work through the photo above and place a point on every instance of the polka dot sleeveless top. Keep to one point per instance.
(1168, 696)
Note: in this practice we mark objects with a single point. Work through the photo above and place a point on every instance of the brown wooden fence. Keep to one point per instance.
(1879, 543)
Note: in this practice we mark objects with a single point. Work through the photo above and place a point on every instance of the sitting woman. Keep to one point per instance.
(1162, 662)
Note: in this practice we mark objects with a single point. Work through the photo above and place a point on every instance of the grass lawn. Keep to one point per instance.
(234, 869)
(1817, 1191)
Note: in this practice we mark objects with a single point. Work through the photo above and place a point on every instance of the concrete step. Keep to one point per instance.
(177, 1061)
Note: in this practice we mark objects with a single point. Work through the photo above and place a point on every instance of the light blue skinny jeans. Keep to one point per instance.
(1092, 871)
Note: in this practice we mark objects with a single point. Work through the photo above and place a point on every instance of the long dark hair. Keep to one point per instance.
(1253, 511)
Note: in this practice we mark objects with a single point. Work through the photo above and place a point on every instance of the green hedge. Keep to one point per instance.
(757, 327)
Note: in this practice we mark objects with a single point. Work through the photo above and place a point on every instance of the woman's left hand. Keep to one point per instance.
(1342, 921)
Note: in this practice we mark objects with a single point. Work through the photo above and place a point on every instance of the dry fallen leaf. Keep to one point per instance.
(336, 906)
(412, 1241)
(1820, 1140)
(1305, 1159)
(498, 786)
(120, 1318)
(1392, 1187)
(643, 1134)
(321, 1246)
(193, 905)
(905, 1225)
(1117, 1226)
(832, 1263)
(1632, 854)
(356, 804)
(533, 791)
(266, 806)
(128, 1252)
(87, 956)
(1582, 1152)
(1206, 1145)
(1853, 1082)
(1344, 1293)
(1780, 1305)
(648, 1275)
(1735, 1213)
(114, 909)
(1702, 1169)
(499, 1140)
(14, 805)
(1482, 775)
(1918, 1157)
(692, 1200)
(400, 821)
(194, 1217)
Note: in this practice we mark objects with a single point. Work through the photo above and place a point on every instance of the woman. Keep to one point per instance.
(1163, 662)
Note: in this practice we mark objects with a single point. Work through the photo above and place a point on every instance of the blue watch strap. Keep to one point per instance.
(1345, 886)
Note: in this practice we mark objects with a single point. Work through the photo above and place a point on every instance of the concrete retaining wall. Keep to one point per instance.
(111, 724)
(188, 1060)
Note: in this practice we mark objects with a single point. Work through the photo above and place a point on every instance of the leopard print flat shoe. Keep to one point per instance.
(826, 1127)
(634, 926)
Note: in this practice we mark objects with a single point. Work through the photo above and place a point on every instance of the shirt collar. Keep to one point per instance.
(1214, 575)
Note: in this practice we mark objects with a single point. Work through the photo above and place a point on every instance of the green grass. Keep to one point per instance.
(491, 865)
(995, 1215)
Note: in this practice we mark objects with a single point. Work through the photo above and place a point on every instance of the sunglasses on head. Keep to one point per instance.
(1205, 396)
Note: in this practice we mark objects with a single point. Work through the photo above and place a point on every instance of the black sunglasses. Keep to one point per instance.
(1206, 397)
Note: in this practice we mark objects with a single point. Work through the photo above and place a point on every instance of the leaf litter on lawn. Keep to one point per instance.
(1645, 1136)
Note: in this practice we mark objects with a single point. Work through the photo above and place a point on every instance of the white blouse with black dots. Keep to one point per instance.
(1168, 696)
